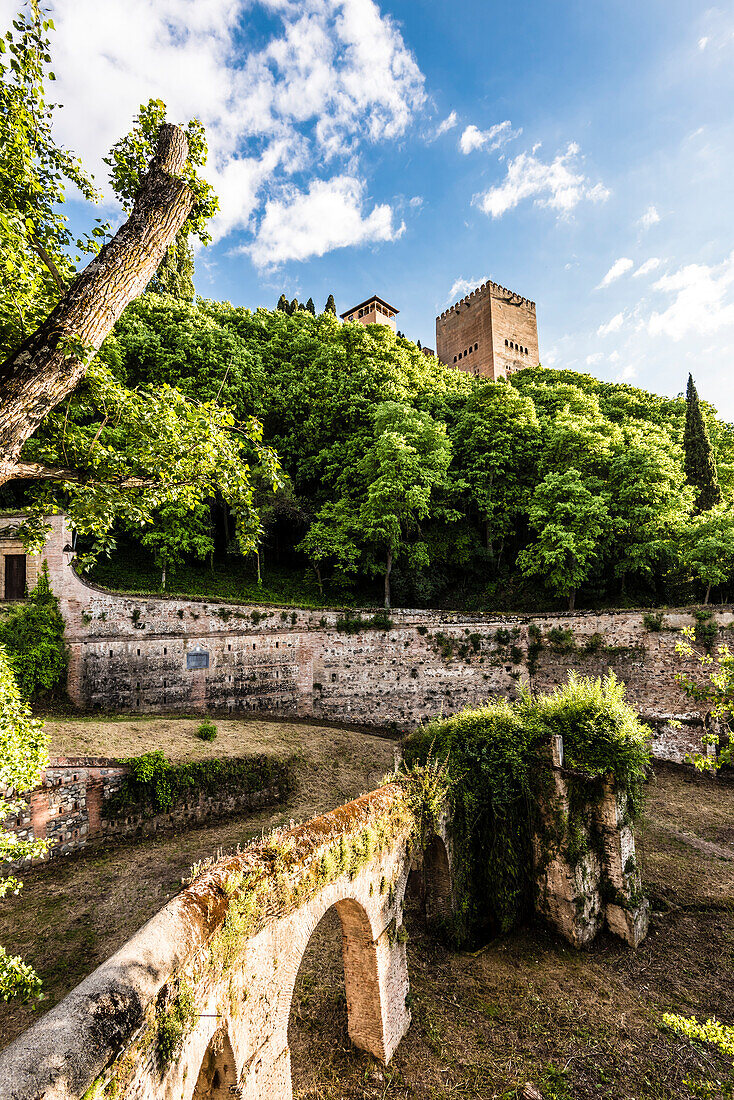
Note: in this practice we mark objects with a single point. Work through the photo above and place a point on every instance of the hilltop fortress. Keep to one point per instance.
(491, 333)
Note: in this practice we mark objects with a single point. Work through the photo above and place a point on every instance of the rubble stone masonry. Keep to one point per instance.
(153, 655)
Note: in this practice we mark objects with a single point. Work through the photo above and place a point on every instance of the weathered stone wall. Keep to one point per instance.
(130, 653)
(68, 808)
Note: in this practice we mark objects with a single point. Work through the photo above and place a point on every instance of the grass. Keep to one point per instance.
(233, 580)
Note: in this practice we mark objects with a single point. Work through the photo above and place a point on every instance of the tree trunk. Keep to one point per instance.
(259, 574)
(708, 593)
(319, 580)
(572, 599)
(53, 360)
(163, 579)
(388, 571)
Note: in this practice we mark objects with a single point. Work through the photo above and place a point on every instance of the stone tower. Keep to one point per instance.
(491, 333)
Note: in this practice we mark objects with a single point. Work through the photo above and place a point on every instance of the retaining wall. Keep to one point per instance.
(141, 655)
(68, 808)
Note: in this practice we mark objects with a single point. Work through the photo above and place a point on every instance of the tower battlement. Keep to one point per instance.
(490, 332)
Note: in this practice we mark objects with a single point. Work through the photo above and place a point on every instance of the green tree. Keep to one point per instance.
(700, 464)
(330, 306)
(178, 530)
(311, 307)
(496, 440)
(404, 468)
(23, 756)
(708, 548)
(331, 541)
(571, 521)
(649, 502)
(128, 160)
(282, 304)
(36, 262)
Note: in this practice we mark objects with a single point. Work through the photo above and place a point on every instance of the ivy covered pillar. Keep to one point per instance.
(568, 870)
(626, 911)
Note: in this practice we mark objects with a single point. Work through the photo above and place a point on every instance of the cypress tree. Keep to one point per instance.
(330, 306)
(311, 307)
(700, 464)
(282, 304)
(294, 307)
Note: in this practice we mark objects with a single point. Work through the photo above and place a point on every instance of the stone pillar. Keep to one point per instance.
(626, 910)
(567, 895)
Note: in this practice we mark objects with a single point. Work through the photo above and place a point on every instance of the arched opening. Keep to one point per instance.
(336, 996)
(437, 879)
(428, 891)
(217, 1078)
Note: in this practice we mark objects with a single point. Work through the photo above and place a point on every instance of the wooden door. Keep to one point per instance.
(14, 576)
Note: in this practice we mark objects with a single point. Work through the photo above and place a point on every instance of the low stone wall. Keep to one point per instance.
(68, 809)
(175, 655)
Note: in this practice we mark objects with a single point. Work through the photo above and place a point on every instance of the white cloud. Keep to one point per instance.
(614, 325)
(448, 124)
(649, 218)
(649, 265)
(703, 42)
(703, 301)
(626, 373)
(416, 202)
(309, 223)
(333, 75)
(461, 287)
(560, 185)
(496, 136)
(619, 268)
(595, 357)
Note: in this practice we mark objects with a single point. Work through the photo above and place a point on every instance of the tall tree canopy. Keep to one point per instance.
(700, 462)
(104, 452)
(315, 385)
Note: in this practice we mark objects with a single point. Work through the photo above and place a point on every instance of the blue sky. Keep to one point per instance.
(581, 154)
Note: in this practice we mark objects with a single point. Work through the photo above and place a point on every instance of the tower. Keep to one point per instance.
(491, 333)
(374, 311)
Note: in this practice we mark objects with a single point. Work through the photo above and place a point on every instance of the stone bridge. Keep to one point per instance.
(197, 1003)
(230, 945)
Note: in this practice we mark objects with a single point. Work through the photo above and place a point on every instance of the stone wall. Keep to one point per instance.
(68, 809)
(141, 655)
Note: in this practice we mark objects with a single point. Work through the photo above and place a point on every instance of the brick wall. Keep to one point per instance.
(68, 808)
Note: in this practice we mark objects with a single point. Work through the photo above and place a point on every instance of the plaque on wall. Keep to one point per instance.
(197, 658)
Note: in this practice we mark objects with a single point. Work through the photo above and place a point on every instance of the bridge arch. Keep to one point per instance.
(218, 1075)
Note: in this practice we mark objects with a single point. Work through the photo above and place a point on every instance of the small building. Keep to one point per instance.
(19, 570)
(373, 311)
(490, 333)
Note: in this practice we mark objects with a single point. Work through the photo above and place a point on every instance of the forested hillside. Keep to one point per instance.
(413, 480)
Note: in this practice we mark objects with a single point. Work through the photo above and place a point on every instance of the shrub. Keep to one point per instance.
(33, 636)
(594, 643)
(561, 640)
(207, 731)
(354, 624)
(155, 785)
(654, 621)
(706, 629)
(172, 1026)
